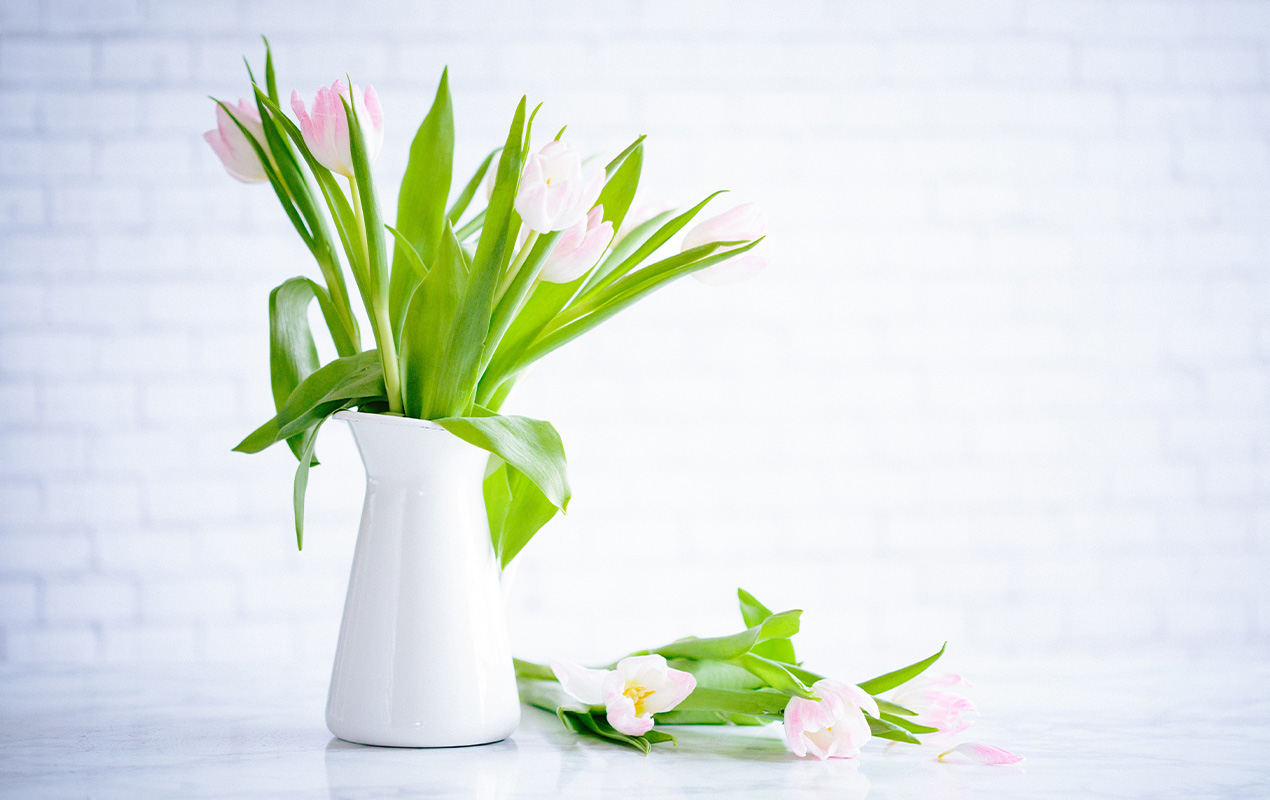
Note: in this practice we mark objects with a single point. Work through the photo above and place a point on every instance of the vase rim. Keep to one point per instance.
(387, 419)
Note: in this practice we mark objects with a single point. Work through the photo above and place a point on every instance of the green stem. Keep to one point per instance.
(516, 265)
(377, 308)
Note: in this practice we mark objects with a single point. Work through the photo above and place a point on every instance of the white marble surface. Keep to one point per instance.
(1088, 729)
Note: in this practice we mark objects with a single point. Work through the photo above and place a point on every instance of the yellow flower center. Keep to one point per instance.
(638, 694)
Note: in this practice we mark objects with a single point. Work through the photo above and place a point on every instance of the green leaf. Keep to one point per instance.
(885, 730)
(712, 674)
(890, 680)
(758, 702)
(775, 675)
(531, 446)
(622, 179)
(648, 247)
(528, 669)
(493, 253)
(356, 378)
(271, 82)
(908, 725)
(754, 612)
(375, 288)
(517, 509)
(656, 736)
(427, 369)
(514, 297)
(302, 481)
(591, 724)
(625, 246)
(469, 191)
(425, 190)
(548, 694)
(893, 708)
(412, 258)
(292, 353)
(624, 293)
(776, 626)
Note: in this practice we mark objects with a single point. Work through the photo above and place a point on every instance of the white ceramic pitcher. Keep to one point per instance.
(423, 657)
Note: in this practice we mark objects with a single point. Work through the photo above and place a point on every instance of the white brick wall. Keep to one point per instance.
(1007, 383)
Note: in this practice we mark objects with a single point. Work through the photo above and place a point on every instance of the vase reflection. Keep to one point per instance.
(481, 772)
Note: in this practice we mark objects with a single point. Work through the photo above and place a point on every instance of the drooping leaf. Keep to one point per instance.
(517, 509)
(531, 446)
(301, 484)
(425, 190)
(358, 378)
(292, 353)
(890, 680)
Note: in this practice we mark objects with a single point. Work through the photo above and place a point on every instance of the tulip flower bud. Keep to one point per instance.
(326, 130)
(555, 193)
(232, 146)
(578, 248)
(744, 223)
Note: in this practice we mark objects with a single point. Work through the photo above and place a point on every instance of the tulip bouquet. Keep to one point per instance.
(459, 303)
(753, 678)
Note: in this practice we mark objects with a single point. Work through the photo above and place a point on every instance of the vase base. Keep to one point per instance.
(402, 746)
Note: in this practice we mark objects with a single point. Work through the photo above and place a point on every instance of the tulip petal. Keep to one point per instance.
(983, 754)
(587, 685)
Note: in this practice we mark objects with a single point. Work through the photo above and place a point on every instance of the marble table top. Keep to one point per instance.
(1088, 729)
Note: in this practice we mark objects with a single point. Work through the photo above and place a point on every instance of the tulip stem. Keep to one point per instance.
(377, 308)
(517, 263)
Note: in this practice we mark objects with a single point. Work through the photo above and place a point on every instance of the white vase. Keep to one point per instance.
(423, 658)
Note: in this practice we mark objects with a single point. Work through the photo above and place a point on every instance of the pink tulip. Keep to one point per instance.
(555, 193)
(937, 707)
(233, 148)
(833, 726)
(578, 248)
(983, 754)
(326, 131)
(744, 223)
(640, 687)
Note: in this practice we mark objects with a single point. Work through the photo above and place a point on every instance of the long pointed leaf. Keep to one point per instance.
(425, 190)
(890, 680)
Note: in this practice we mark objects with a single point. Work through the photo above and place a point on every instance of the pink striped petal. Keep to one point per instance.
(983, 754)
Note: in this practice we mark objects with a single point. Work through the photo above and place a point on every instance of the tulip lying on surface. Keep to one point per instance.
(578, 248)
(745, 223)
(555, 192)
(833, 726)
(937, 707)
(326, 129)
(231, 145)
(640, 687)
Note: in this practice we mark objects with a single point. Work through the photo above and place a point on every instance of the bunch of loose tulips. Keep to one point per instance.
(460, 302)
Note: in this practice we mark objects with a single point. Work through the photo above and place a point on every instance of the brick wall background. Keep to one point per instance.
(1006, 383)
